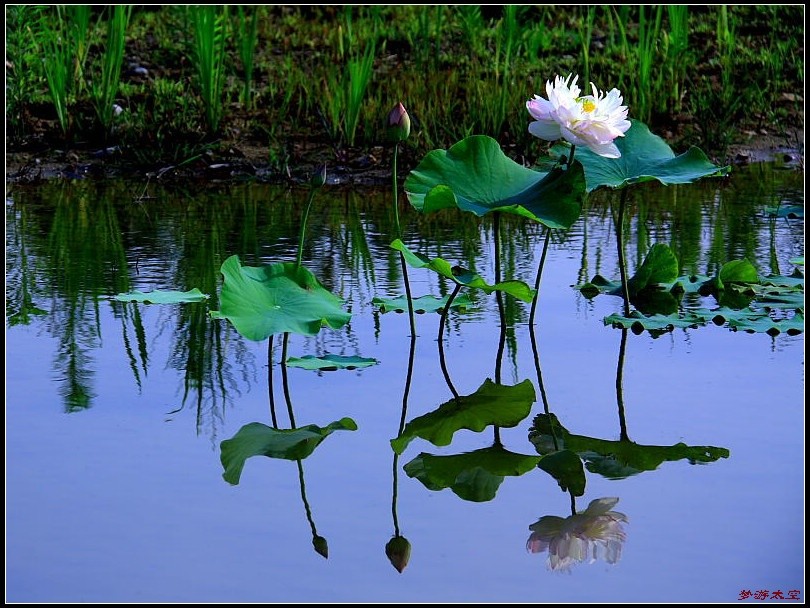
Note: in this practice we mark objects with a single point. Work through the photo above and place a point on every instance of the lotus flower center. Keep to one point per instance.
(588, 105)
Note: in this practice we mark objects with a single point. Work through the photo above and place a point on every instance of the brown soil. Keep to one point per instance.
(240, 160)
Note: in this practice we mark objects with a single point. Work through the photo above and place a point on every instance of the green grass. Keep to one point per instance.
(701, 75)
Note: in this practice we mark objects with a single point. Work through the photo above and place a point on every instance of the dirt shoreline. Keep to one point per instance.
(248, 162)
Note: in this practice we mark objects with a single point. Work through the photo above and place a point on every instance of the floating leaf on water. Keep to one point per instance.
(423, 304)
(163, 297)
(329, 362)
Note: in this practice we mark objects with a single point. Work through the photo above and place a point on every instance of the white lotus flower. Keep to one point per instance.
(593, 121)
(593, 533)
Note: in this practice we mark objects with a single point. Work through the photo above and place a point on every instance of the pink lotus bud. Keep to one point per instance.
(398, 550)
(399, 123)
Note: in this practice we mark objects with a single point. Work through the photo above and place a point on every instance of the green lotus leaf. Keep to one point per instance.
(798, 261)
(788, 211)
(277, 298)
(614, 459)
(475, 175)
(644, 157)
(163, 297)
(779, 297)
(329, 362)
(474, 476)
(465, 278)
(566, 467)
(738, 271)
(660, 266)
(492, 404)
(257, 439)
(422, 304)
(655, 324)
(756, 321)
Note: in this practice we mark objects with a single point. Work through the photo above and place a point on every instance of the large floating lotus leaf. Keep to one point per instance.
(277, 298)
(644, 157)
(492, 404)
(163, 297)
(257, 439)
(655, 324)
(474, 476)
(475, 175)
(779, 297)
(615, 459)
(422, 304)
(788, 211)
(461, 276)
(566, 467)
(755, 321)
(329, 362)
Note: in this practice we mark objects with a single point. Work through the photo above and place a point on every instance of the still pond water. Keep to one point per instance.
(115, 411)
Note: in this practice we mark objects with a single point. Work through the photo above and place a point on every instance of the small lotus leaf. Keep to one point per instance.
(423, 304)
(329, 362)
(163, 297)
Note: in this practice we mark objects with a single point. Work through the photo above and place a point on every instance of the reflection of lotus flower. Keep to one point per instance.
(595, 532)
(593, 121)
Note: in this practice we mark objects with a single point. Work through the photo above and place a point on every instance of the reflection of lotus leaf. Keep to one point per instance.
(277, 298)
(475, 175)
(615, 459)
(474, 476)
(645, 157)
(257, 439)
(593, 533)
(492, 404)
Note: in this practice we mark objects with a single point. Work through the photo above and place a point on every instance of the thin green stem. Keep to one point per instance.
(620, 245)
(303, 228)
(398, 227)
(270, 381)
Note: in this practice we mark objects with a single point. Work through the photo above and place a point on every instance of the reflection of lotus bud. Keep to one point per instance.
(398, 550)
(399, 123)
(319, 542)
(593, 533)
(318, 178)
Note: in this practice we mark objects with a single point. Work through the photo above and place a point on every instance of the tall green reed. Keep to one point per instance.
(62, 39)
(247, 37)
(649, 30)
(585, 33)
(104, 89)
(359, 73)
(208, 24)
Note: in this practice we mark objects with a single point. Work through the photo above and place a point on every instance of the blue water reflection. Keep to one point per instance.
(115, 412)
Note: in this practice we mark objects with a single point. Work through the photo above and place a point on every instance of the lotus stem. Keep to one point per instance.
(304, 219)
(620, 387)
(270, 381)
(402, 262)
(620, 244)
